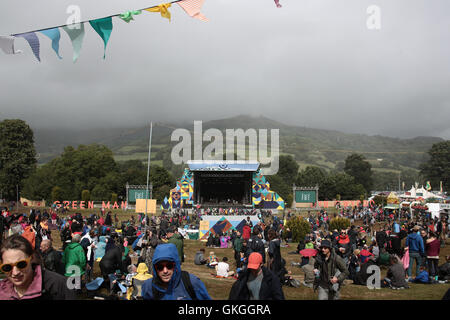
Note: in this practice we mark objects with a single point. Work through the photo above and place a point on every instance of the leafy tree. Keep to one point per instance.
(342, 184)
(299, 227)
(56, 194)
(339, 223)
(437, 168)
(279, 185)
(360, 169)
(17, 156)
(288, 169)
(85, 195)
(310, 177)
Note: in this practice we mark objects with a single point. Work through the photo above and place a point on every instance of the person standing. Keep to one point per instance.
(433, 247)
(414, 244)
(256, 282)
(274, 252)
(237, 246)
(74, 256)
(51, 259)
(331, 270)
(177, 239)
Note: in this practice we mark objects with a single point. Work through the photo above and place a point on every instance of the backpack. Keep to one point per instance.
(157, 295)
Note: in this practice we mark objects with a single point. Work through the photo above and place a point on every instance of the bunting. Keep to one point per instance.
(163, 8)
(7, 45)
(104, 28)
(128, 16)
(76, 35)
(33, 41)
(192, 8)
(55, 36)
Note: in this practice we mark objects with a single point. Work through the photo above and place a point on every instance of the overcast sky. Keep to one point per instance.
(311, 63)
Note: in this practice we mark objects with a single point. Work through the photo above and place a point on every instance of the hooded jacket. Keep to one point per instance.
(74, 256)
(177, 240)
(100, 250)
(46, 285)
(135, 291)
(175, 289)
(415, 243)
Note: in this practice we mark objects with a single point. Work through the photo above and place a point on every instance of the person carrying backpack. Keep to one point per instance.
(169, 281)
(255, 244)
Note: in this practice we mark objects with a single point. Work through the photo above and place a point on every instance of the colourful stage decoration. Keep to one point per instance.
(262, 196)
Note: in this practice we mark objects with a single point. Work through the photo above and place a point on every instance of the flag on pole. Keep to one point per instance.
(33, 41)
(428, 186)
(163, 8)
(55, 36)
(192, 8)
(76, 35)
(104, 28)
(7, 45)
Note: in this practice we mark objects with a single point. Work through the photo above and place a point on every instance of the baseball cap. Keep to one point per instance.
(254, 260)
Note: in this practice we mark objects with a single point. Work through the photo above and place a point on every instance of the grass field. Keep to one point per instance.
(220, 288)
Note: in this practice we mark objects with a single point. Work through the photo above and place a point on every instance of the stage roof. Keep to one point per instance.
(211, 165)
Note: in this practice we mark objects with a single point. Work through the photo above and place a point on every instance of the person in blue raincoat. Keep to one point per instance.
(100, 250)
(169, 281)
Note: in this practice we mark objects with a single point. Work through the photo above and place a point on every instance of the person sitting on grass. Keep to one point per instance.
(212, 260)
(223, 269)
(395, 277)
(199, 258)
(423, 276)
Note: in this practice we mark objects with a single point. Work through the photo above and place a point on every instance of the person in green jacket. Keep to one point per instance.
(177, 239)
(74, 256)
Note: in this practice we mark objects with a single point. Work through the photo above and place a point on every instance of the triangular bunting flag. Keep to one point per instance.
(163, 8)
(54, 35)
(128, 16)
(76, 35)
(104, 28)
(192, 8)
(7, 45)
(33, 41)
(277, 2)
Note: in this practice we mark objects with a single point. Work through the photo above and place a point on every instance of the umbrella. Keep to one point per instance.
(308, 252)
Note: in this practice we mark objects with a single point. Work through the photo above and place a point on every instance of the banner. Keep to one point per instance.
(151, 206)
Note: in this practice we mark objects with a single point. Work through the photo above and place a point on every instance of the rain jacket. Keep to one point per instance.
(74, 256)
(100, 250)
(135, 291)
(415, 243)
(176, 289)
(177, 240)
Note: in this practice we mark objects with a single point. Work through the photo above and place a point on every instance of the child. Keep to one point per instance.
(212, 260)
(423, 276)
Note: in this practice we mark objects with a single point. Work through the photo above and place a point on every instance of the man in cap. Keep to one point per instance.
(256, 282)
(331, 272)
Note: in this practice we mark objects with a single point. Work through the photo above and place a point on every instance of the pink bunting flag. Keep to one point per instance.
(192, 8)
(277, 2)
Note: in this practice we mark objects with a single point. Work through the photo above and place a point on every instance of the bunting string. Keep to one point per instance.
(103, 27)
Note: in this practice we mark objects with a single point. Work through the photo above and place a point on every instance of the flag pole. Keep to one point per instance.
(148, 171)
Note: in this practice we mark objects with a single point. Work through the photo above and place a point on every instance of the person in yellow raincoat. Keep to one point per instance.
(134, 292)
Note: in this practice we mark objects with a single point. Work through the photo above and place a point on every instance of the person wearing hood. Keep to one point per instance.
(25, 278)
(414, 244)
(343, 246)
(135, 290)
(169, 281)
(100, 249)
(112, 260)
(177, 239)
(74, 256)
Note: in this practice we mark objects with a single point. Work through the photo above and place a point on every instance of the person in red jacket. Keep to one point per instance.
(246, 232)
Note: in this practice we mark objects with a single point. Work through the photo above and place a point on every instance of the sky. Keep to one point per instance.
(311, 63)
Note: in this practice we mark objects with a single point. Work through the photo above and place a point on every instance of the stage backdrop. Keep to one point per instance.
(209, 222)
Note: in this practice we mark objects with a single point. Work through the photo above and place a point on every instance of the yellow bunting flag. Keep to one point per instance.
(163, 8)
